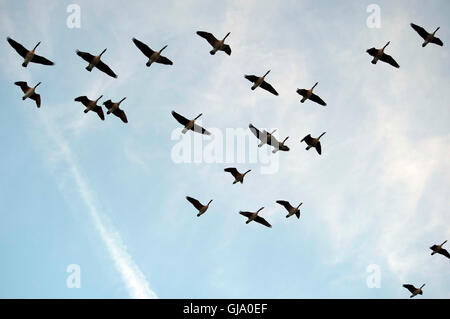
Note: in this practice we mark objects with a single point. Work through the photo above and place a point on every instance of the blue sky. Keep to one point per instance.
(110, 198)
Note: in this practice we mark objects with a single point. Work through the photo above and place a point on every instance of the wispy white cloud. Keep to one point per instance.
(132, 276)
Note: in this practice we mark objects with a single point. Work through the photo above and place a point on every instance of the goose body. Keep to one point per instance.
(201, 208)
(313, 142)
(153, 56)
(238, 177)
(427, 37)
(189, 124)
(96, 62)
(116, 110)
(28, 55)
(260, 82)
(253, 216)
(414, 291)
(29, 92)
(217, 45)
(291, 210)
(378, 54)
(437, 249)
(91, 105)
(308, 94)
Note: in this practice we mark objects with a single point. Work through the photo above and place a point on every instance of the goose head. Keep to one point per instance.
(122, 100)
(198, 116)
(259, 210)
(226, 36)
(37, 85)
(385, 46)
(162, 48)
(314, 86)
(266, 74)
(321, 135)
(102, 53)
(98, 99)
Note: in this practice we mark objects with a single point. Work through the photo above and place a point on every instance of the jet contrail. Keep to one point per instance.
(132, 276)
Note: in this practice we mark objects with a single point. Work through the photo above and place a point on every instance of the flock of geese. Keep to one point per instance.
(95, 61)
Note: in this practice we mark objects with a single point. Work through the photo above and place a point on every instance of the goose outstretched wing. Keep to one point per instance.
(23, 86)
(180, 118)
(286, 204)
(85, 56)
(319, 148)
(233, 171)
(209, 37)
(421, 31)
(194, 202)
(143, 47)
(307, 139)
(388, 59)
(317, 99)
(41, 60)
(199, 129)
(106, 69)
(18, 47)
(251, 78)
(262, 221)
(437, 41)
(266, 86)
(37, 98)
(164, 60)
(226, 48)
(411, 288)
(98, 109)
(83, 99)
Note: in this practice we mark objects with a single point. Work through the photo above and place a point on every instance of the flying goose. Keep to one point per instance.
(29, 92)
(437, 249)
(415, 291)
(153, 56)
(216, 44)
(95, 61)
(267, 138)
(253, 216)
(308, 94)
(189, 124)
(29, 56)
(291, 210)
(428, 37)
(313, 142)
(238, 177)
(91, 105)
(201, 208)
(380, 55)
(259, 81)
(116, 110)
